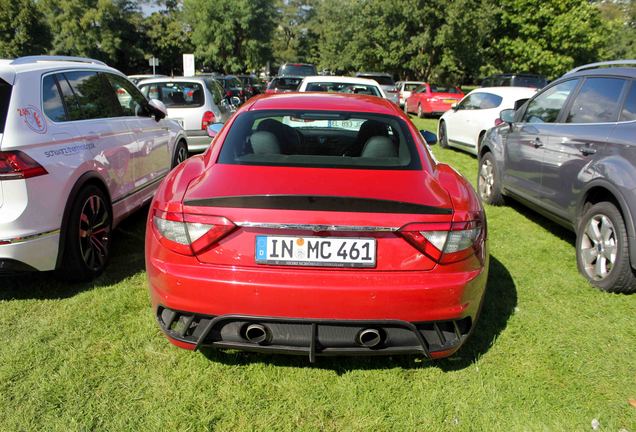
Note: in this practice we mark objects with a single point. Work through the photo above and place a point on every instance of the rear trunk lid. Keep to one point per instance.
(305, 205)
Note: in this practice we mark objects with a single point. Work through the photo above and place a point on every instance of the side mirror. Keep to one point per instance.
(214, 129)
(429, 137)
(507, 115)
(158, 109)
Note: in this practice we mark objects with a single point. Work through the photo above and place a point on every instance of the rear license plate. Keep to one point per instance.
(316, 251)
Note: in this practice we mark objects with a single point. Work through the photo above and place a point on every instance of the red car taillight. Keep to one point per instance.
(208, 119)
(498, 121)
(189, 234)
(445, 242)
(18, 165)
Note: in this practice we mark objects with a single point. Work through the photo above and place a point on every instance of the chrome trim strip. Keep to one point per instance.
(315, 228)
(29, 237)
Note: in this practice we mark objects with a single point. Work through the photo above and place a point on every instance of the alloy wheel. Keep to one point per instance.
(94, 232)
(598, 247)
(182, 155)
(486, 179)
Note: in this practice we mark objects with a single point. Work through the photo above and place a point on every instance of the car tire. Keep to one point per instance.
(180, 153)
(443, 136)
(488, 182)
(88, 236)
(602, 251)
(420, 113)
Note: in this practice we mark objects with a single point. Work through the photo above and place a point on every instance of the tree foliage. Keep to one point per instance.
(168, 38)
(231, 36)
(22, 29)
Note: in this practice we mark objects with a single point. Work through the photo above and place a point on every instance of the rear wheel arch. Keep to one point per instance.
(87, 179)
(599, 192)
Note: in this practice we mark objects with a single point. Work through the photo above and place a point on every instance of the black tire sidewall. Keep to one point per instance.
(495, 198)
(177, 149)
(73, 266)
(621, 277)
(443, 142)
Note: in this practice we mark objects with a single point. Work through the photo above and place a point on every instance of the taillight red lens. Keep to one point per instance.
(189, 234)
(498, 121)
(445, 242)
(208, 119)
(18, 165)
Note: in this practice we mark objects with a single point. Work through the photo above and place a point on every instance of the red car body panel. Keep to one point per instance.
(432, 102)
(406, 285)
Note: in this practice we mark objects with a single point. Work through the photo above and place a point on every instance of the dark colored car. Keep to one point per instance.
(251, 84)
(570, 154)
(284, 84)
(233, 87)
(297, 69)
(515, 80)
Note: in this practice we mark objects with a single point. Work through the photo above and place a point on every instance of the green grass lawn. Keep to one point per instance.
(549, 353)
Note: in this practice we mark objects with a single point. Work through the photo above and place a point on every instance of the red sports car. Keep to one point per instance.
(317, 225)
(431, 99)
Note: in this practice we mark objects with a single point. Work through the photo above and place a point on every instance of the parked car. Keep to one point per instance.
(284, 84)
(337, 84)
(465, 124)
(405, 88)
(194, 102)
(135, 79)
(317, 225)
(233, 87)
(252, 85)
(80, 148)
(297, 69)
(432, 99)
(570, 154)
(515, 80)
(386, 81)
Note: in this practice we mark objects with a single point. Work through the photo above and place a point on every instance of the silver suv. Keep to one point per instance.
(570, 154)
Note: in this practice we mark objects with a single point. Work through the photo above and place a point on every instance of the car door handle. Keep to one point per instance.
(536, 143)
(586, 151)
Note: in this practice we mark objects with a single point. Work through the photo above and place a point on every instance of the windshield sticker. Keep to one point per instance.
(33, 118)
(71, 150)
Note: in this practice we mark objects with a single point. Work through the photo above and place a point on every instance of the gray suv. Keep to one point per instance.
(569, 153)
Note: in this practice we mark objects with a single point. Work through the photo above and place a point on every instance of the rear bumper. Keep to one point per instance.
(413, 300)
(314, 337)
(36, 252)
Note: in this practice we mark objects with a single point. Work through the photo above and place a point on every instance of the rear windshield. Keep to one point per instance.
(381, 79)
(411, 87)
(319, 139)
(526, 81)
(5, 97)
(336, 87)
(285, 83)
(443, 89)
(298, 69)
(175, 94)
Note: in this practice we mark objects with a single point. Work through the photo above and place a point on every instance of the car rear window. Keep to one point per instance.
(411, 87)
(597, 101)
(629, 109)
(175, 94)
(336, 87)
(285, 83)
(5, 98)
(443, 89)
(381, 79)
(319, 139)
(297, 69)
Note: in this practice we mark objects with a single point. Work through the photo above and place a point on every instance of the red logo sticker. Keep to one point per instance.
(33, 118)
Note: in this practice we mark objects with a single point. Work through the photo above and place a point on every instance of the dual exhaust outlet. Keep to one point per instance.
(259, 334)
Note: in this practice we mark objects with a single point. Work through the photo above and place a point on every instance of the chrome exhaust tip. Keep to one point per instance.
(369, 338)
(257, 333)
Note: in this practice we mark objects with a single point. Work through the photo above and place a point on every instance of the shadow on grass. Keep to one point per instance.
(558, 230)
(498, 305)
(127, 259)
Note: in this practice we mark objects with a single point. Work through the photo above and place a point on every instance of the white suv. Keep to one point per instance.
(80, 148)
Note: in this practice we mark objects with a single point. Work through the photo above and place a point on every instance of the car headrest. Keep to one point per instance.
(264, 142)
(379, 147)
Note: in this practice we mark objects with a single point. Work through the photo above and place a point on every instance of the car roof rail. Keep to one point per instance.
(35, 59)
(602, 64)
